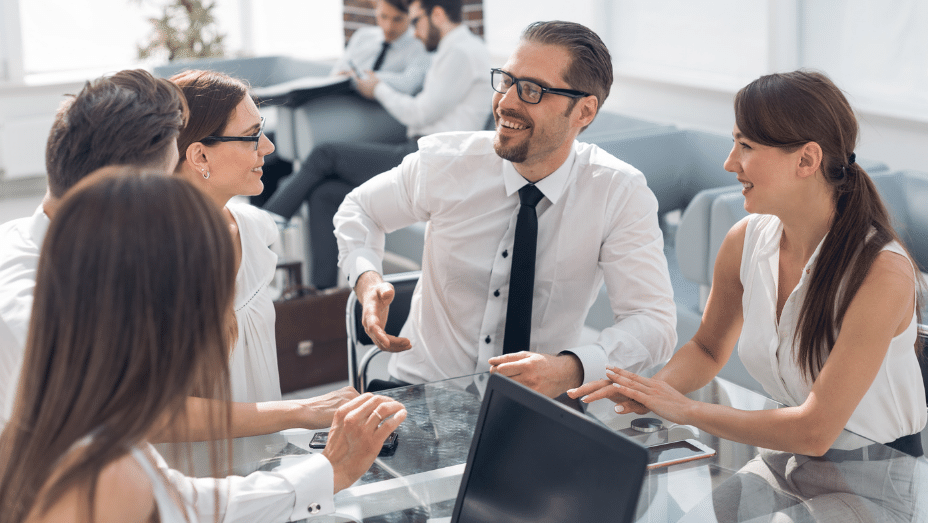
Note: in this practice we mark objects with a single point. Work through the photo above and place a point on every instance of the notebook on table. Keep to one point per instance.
(535, 460)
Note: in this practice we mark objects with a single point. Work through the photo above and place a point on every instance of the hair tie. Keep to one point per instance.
(851, 159)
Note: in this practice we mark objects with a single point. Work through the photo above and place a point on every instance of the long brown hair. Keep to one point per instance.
(127, 321)
(787, 111)
(212, 98)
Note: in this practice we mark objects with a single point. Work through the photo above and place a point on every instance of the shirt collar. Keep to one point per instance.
(448, 40)
(39, 227)
(552, 186)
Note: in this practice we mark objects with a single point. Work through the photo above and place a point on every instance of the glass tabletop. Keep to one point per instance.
(420, 481)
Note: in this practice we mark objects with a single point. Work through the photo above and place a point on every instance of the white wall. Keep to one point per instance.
(681, 62)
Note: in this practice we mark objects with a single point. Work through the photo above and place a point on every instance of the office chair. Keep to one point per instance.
(404, 284)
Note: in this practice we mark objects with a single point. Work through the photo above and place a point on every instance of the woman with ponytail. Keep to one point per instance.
(820, 291)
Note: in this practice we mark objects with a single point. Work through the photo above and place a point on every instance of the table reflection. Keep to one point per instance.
(420, 481)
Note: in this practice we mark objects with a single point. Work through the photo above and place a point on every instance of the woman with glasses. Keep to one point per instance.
(128, 321)
(222, 151)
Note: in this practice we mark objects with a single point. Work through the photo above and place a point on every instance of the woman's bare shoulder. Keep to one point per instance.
(124, 494)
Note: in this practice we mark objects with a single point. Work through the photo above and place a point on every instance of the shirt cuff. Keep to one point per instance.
(593, 359)
(360, 261)
(382, 90)
(313, 480)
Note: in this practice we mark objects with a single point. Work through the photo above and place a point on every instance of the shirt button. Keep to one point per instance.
(314, 508)
(496, 293)
(487, 340)
(505, 253)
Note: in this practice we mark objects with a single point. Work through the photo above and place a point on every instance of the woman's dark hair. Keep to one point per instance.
(131, 316)
(787, 111)
(212, 98)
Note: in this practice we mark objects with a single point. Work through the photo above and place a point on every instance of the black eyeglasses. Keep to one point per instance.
(254, 138)
(529, 92)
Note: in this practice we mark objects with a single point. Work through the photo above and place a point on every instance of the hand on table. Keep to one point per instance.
(655, 395)
(359, 429)
(606, 389)
(376, 296)
(545, 373)
(318, 412)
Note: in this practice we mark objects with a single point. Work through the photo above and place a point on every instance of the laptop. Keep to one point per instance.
(535, 460)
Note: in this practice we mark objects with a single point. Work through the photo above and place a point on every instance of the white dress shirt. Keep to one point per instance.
(20, 244)
(294, 491)
(456, 94)
(894, 405)
(598, 220)
(404, 66)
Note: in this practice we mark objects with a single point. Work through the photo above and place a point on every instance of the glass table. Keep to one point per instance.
(420, 481)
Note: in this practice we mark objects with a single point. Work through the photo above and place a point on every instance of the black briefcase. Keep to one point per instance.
(311, 338)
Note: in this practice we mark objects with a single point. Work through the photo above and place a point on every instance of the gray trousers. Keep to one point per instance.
(325, 178)
(783, 487)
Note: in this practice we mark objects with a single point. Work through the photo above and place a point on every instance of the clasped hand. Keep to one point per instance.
(545, 373)
(636, 394)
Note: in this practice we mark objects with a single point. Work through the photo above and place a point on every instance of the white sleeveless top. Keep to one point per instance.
(169, 509)
(893, 407)
(253, 369)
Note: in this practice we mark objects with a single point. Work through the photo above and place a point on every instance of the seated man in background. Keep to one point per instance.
(492, 200)
(453, 98)
(134, 119)
(390, 49)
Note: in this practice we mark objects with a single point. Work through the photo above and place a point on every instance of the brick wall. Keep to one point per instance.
(358, 13)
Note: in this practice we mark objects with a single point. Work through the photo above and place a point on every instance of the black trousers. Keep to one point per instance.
(326, 177)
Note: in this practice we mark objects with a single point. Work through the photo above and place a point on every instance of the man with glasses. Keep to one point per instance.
(453, 98)
(524, 225)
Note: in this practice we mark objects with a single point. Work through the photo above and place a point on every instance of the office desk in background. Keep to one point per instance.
(420, 481)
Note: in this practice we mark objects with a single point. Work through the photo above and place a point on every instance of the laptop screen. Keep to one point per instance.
(535, 460)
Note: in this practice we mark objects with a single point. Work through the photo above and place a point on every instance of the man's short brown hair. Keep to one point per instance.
(129, 118)
(590, 69)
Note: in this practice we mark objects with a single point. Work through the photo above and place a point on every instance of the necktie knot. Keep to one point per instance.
(530, 195)
(383, 53)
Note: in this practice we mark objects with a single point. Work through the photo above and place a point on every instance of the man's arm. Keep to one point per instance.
(408, 81)
(448, 83)
(252, 419)
(639, 288)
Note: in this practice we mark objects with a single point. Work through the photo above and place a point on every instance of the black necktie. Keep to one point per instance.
(383, 53)
(518, 333)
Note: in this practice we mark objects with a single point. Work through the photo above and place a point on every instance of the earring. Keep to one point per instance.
(205, 174)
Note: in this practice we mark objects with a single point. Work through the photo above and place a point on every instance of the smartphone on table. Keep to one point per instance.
(676, 452)
(388, 449)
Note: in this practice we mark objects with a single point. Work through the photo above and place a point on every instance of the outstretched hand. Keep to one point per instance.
(376, 296)
(359, 429)
(656, 395)
(606, 389)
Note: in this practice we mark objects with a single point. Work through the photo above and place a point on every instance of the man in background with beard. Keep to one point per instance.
(524, 225)
(453, 98)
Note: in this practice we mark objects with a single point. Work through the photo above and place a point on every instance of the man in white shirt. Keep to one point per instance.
(596, 220)
(453, 98)
(389, 49)
(132, 118)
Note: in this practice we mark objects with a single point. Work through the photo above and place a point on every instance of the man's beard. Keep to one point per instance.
(514, 152)
(432, 38)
